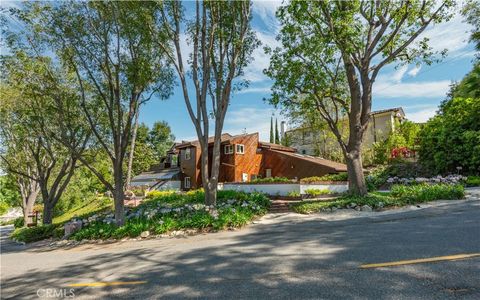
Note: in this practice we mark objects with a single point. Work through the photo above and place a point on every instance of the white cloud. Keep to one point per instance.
(423, 115)
(266, 9)
(398, 75)
(426, 89)
(452, 35)
(250, 119)
(248, 90)
(254, 71)
(413, 72)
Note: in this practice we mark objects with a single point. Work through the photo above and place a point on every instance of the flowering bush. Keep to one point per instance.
(178, 211)
(450, 179)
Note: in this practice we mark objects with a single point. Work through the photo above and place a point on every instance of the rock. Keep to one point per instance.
(380, 204)
(358, 208)
(366, 208)
(178, 232)
(334, 208)
(145, 234)
(72, 227)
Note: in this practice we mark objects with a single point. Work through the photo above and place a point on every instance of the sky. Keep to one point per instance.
(418, 89)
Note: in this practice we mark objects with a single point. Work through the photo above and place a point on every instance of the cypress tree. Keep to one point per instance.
(271, 131)
(277, 136)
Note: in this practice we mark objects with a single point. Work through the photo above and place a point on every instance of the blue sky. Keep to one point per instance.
(418, 89)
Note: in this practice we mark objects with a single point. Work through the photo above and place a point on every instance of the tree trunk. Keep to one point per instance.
(356, 179)
(211, 193)
(132, 148)
(28, 206)
(47, 212)
(118, 197)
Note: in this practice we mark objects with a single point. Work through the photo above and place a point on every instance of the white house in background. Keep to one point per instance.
(306, 141)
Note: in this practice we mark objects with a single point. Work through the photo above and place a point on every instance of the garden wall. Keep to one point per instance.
(284, 189)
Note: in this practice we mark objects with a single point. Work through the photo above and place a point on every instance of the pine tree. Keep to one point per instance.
(277, 136)
(271, 131)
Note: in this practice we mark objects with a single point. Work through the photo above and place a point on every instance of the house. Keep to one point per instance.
(242, 158)
(322, 142)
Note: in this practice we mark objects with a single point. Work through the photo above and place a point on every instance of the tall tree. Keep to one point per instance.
(43, 120)
(117, 67)
(272, 138)
(333, 52)
(160, 137)
(277, 136)
(221, 42)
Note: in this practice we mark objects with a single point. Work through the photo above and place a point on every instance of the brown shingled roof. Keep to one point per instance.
(339, 167)
(276, 147)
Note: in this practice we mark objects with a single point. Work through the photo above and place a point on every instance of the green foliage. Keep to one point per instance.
(38, 233)
(399, 196)
(161, 138)
(271, 180)
(235, 215)
(277, 135)
(452, 138)
(473, 181)
(19, 222)
(412, 194)
(317, 192)
(343, 176)
(90, 206)
(272, 138)
(294, 194)
(157, 194)
(9, 193)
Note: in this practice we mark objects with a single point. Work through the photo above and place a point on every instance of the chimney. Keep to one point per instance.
(282, 130)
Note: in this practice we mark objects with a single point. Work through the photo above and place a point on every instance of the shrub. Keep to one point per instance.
(399, 196)
(271, 180)
(156, 194)
(19, 222)
(473, 181)
(38, 233)
(181, 211)
(317, 192)
(329, 177)
(293, 194)
(424, 192)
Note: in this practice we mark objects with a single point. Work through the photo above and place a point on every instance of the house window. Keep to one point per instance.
(244, 177)
(228, 149)
(186, 182)
(188, 155)
(240, 149)
(268, 173)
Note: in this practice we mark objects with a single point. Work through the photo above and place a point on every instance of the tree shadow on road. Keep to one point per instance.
(308, 259)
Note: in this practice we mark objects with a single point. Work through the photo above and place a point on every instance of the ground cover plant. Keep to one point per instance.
(272, 180)
(329, 177)
(400, 195)
(31, 234)
(179, 211)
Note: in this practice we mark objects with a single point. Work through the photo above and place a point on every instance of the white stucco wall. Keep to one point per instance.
(283, 189)
(270, 189)
(334, 188)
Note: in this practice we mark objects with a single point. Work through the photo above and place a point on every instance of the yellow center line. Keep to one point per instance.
(106, 283)
(419, 261)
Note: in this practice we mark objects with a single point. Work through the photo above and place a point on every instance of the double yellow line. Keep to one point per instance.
(419, 261)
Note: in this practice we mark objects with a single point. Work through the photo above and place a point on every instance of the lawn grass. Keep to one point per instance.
(400, 195)
(33, 234)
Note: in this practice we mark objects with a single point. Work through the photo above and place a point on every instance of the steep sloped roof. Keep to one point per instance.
(338, 167)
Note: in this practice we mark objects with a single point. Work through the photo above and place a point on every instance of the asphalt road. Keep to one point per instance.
(282, 258)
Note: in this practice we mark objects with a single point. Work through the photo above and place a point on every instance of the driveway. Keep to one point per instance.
(278, 257)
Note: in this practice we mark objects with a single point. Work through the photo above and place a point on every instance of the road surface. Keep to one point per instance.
(283, 257)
